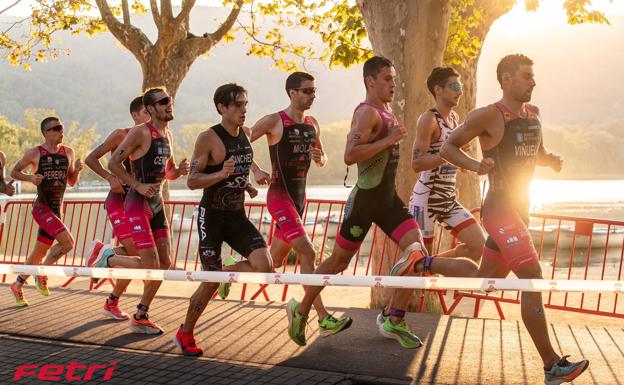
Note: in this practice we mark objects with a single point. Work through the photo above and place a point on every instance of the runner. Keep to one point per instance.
(114, 205)
(510, 135)
(221, 162)
(433, 198)
(373, 143)
(54, 168)
(149, 148)
(5, 188)
(294, 141)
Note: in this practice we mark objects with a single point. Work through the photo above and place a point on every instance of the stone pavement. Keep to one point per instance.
(246, 342)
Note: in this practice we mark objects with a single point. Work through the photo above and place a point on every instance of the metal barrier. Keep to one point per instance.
(569, 248)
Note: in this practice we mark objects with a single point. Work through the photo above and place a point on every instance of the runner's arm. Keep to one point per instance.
(473, 127)
(425, 129)
(131, 143)
(358, 148)
(263, 126)
(29, 159)
(74, 168)
(110, 143)
(5, 188)
(318, 154)
(204, 145)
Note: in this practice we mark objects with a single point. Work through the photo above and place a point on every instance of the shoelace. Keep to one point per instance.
(19, 293)
(563, 362)
(43, 280)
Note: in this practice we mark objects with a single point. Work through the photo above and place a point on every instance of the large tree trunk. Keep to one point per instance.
(413, 35)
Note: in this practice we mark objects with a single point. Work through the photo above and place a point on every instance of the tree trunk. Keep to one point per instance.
(403, 31)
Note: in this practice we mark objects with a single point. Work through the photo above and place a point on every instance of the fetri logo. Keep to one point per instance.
(72, 372)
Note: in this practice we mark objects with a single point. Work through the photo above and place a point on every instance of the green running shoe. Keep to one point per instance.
(564, 371)
(19, 295)
(402, 333)
(41, 284)
(296, 323)
(224, 289)
(332, 325)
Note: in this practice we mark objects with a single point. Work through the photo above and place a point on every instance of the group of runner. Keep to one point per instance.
(509, 133)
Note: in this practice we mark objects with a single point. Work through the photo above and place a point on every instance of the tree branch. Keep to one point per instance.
(184, 15)
(128, 35)
(155, 13)
(217, 35)
(10, 6)
(166, 10)
(126, 11)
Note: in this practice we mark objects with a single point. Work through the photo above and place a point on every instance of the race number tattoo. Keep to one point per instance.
(416, 154)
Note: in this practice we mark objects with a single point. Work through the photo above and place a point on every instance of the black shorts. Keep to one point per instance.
(233, 227)
(367, 206)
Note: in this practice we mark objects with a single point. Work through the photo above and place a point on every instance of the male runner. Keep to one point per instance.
(510, 135)
(294, 141)
(149, 148)
(114, 205)
(221, 162)
(5, 188)
(54, 168)
(373, 143)
(433, 198)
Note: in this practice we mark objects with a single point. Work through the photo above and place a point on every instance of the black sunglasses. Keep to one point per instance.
(164, 101)
(57, 128)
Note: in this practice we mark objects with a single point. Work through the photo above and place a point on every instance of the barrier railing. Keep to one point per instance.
(569, 248)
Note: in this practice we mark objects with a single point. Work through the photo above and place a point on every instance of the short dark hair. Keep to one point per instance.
(295, 79)
(136, 104)
(47, 120)
(510, 64)
(149, 97)
(374, 65)
(439, 76)
(227, 94)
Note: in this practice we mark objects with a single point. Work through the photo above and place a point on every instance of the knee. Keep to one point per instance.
(263, 264)
(307, 254)
(475, 250)
(340, 264)
(165, 265)
(66, 246)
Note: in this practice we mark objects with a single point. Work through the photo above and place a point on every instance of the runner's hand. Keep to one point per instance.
(262, 177)
(78, 166)
(184, 167)
(485, 166)
(9, 188)
(316, 154)
(228, 168)
(36, 179)
(251, 190)
(397, 133)
(555, 162)
(148, 190)
(115, 184)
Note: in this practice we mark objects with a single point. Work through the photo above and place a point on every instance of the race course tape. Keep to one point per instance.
(431, 283)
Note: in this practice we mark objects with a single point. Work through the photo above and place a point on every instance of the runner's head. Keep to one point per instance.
(138, 112)
(444, 85)
(301, 90)
(231, 102)
(515, 75)
(379, 76)
(52, 129)
(159, 104)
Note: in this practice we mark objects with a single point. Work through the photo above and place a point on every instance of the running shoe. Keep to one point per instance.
(145, 326)
(381, 318)
(564, 371)
(112, 310)
(296, 323)
(224, 289)
(406, 264)
(41, 284)
(19, 295)
(400, 332)
(93, 251)
(186, 343)
(332, 325)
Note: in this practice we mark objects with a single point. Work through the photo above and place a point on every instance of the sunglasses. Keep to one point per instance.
(164, 101)
(57, 128)
(307, 91)
(456, 86)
